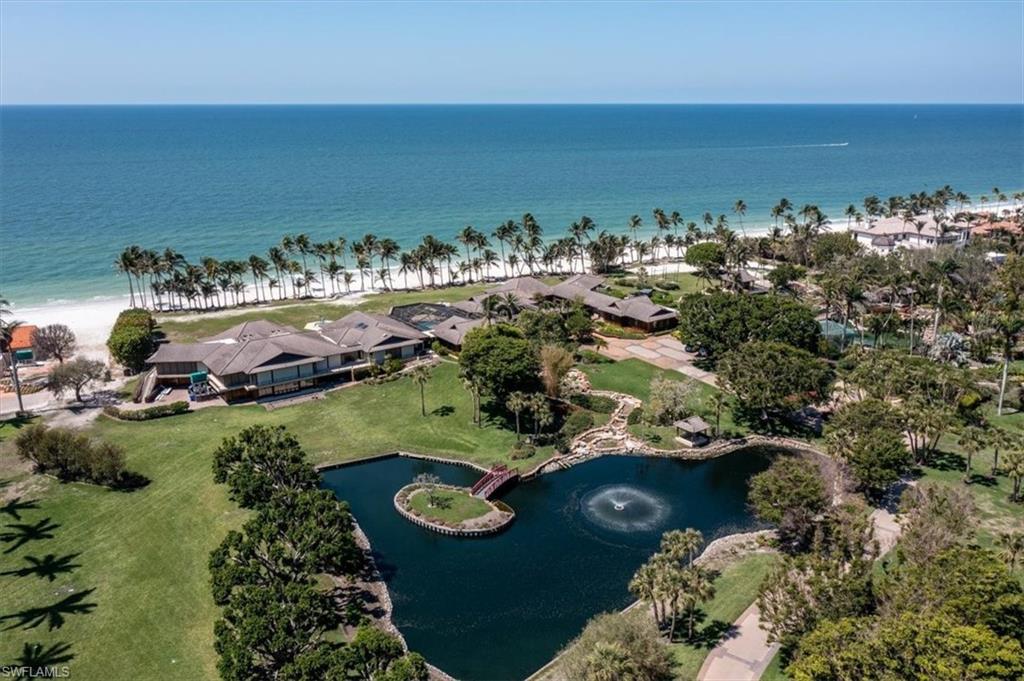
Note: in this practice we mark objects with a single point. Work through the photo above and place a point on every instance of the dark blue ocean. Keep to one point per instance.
(79, 183)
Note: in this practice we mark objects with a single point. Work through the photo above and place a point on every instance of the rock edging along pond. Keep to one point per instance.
(495, 520)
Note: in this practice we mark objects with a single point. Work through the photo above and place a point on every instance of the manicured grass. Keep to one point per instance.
(300, 313)
(735, 589)
(996, 513)
(634, 376)
(451, 506)
(774, 671)
(144, 554)
(137, 562)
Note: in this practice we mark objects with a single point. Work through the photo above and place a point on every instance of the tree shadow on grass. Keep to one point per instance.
(37, 657)
(19, 534)
(705, 637)
(15, 506)
(445, 410)
(48, 567)
(52, 615)
(946, 461)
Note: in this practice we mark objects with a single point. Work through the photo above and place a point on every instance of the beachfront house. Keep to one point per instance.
(637, 311)
(260, 359)
(919, 231)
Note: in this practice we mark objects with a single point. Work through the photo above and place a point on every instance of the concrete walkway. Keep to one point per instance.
(665, 352)
(745, 652)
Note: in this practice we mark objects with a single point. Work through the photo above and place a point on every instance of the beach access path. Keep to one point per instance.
(745, 653)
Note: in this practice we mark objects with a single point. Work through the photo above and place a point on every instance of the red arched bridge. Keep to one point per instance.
(493, 480)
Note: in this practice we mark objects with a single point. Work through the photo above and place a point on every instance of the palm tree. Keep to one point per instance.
(1011, 546)
(126, 263)
(1013, 466)
(259, 268)
(7, 328)
(421, 376)
(469, 237)
(999, 439)
(578, 230)
(516, 403)
(682, 543)
(634, 226)
(972, 440)
(740, 208)
(643, 586)
(698, 587)
(387, 250)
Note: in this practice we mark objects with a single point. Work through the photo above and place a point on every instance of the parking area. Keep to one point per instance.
(665, 352)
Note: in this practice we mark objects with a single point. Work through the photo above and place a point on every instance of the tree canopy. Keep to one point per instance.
(720, 321)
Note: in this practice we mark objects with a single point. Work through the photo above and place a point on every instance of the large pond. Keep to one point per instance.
(502, 606)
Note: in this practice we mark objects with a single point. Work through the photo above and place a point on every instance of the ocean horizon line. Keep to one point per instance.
(26, 105)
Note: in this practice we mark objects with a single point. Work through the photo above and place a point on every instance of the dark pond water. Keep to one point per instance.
(500, 607)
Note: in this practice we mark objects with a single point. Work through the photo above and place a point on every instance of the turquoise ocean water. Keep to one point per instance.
(79, 183)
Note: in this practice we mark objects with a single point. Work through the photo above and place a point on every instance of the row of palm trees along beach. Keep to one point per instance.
(299, 267)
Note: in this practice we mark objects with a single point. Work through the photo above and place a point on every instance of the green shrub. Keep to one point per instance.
(636, 416)
(596, 403)
(591, 357)
(392, 365)
(438, 348)
(616, 331)
(522, 450)
(136, 317)
(69, 456)
(667, 285)
(577, 422)
(131, 339)
(154, 412)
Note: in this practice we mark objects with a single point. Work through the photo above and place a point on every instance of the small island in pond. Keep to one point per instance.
(451, 510)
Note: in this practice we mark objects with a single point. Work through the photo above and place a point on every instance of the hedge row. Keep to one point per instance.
(155, 412)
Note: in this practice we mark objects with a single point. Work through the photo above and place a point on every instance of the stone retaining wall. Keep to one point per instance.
(508, 513)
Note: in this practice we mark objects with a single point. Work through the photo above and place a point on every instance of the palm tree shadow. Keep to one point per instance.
(36, 657)
(48, 567)
(713, 634)
(15, 506)
(53, 615)
(445, 410)
(23, 533)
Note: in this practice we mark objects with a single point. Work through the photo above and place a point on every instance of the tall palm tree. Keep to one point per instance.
(421, 376)
(7, 328)
(643, 586)
(635, 222)
(259, 268)
(1011, 547)
(387, 250)
(469, 237)
(698, 587)
(126, 263)
(516, 403)
(740, 208)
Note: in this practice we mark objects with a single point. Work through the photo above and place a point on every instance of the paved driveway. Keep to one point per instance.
(665, 352)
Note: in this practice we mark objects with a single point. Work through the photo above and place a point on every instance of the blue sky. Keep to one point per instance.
(207, 52)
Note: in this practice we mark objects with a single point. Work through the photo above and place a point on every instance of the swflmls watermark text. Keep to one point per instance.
(26, 672)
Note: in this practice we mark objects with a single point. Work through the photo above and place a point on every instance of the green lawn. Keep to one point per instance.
(300, 313)
(774, 671)
(451, 506)
(141, 556)
(735, 589)
(633, 377)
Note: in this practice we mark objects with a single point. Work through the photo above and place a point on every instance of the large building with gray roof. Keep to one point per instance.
(259, 358)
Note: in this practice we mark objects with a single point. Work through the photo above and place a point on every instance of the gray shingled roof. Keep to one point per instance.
(257, 328)
(224, 356)
(454, 329)
(369, 331)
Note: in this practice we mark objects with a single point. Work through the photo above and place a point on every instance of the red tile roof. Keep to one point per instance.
(21, 339)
